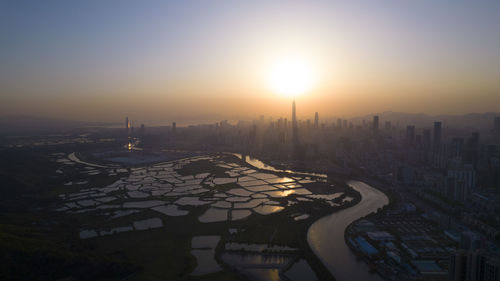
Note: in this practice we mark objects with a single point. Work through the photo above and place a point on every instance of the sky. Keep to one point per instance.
(165, 60)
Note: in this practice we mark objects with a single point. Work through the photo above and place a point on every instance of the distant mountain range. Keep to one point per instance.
(475, 121)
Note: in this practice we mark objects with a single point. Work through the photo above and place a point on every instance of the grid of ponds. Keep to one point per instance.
(161, 189)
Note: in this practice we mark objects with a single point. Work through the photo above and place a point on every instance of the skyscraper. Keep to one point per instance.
(410, 134)
(474, 266)
(437, 134)
(127, 125)
(174, 127)
(496, 125)
(375, 125)
(316, 120)
(388, 126)
(427, 139)
(295, 133)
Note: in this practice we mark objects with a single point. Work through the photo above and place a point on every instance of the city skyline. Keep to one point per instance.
(259, 140)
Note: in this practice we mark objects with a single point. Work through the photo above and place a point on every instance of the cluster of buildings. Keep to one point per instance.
(402, 244)
(129, 129)
(451, 172)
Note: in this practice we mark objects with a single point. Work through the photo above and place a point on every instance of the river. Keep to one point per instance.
(326, 235)
(261, 165)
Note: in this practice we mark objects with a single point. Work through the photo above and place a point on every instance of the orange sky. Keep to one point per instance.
(169, 61)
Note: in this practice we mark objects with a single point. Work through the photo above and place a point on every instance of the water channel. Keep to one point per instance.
(326, 235)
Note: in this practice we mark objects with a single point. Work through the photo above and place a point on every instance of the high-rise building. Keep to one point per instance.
(472, 149)
(470, 240)
(127, 125)
(457, 147)
(339, 123)
(174, 127)
(388, 125)
(460, 182)
(427, 139)
(295, 133)
(375, 124)
(418, 140)
(410, 134)
(496, 125)
(316, 120)
(474, 266)
(437, 134)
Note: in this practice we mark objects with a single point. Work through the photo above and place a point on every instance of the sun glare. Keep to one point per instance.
(291, 77)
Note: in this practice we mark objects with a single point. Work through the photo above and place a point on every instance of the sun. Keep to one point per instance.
(291, 77)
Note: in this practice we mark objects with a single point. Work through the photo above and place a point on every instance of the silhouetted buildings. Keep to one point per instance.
(471, 153)
(295, 132)
(437, 134)
(375, 125)
(388, 126)
(426, 141)
(316, 120)
(460, 182)
(496, 125)
(128, 126)
(410, 135)
(474, 266)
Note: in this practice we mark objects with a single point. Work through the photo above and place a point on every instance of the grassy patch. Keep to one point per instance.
(202, 166)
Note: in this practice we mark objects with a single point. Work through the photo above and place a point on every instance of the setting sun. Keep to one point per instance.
(291, 77)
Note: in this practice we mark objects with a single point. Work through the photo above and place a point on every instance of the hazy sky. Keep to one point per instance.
(163, 60)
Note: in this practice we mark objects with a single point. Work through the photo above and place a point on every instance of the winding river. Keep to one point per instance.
(326, 235)
(261, 165)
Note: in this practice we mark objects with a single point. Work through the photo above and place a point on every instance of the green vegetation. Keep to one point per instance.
(23, 258)
(203, 166)
(36, 244)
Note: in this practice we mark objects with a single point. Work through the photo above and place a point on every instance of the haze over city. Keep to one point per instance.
(100, 61)
(250, 140)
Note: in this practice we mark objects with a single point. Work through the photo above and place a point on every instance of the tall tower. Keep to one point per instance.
(295, 133)
(127, 125)
(375, 125)
(294, 123)
(316, 120)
